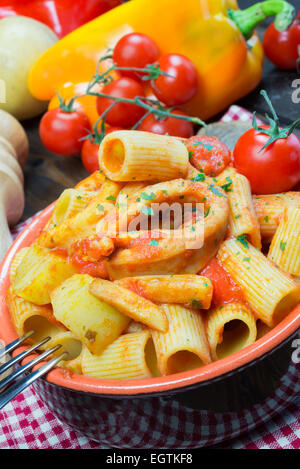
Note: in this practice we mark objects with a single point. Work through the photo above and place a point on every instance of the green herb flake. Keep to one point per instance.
(111, 197)
(237, 216)
(199, 177)
(266, 218)
(146, 196)
(227, 187)
(207, 212)
(242, 239)
(282, 245)
(246, 259)
(147, 210)
(100, 208)
(153, 242)
(215, 190)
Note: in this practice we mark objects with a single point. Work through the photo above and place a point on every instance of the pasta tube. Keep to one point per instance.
(84, 223)
(230, 328)
(27, 317)
(285, 247)
(184, 346)
(69, 203)
(15, 263)
(125, 358)
(39, 273)
(270, 293)
(130, 304)
(130, 155)
(95, 323)
(182, 289)
(242, 216)
(269, 210)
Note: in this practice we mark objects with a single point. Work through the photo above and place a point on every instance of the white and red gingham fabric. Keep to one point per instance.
(26, 422)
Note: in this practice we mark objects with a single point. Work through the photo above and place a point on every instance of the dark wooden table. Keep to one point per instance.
(46, 175)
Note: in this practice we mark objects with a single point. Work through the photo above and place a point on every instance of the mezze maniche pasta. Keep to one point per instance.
(126, 274)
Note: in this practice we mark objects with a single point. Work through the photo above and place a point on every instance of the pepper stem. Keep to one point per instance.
(247, 20)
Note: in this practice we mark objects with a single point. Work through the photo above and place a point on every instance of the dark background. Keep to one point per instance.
(47, 175)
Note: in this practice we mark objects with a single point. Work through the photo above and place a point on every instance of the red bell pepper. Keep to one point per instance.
(63, 16)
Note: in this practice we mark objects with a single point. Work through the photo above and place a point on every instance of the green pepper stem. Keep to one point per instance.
(247, 20)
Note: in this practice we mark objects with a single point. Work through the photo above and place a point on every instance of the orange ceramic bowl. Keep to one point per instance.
(180, 384)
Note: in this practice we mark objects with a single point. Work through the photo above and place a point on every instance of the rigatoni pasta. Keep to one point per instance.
(184, 346)
(270, 293)
(128, 357)
(230, 328)
(142, 156)
(150, 267)
(285, 247)
(242, 218)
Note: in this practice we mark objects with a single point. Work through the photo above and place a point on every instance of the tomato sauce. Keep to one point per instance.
(225, 290)
(208, 154)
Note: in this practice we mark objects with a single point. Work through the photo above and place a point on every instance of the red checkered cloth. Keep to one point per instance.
(26, 422)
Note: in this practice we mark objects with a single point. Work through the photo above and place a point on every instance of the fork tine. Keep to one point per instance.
(22, 355)
(19, 386)
(10, 347)
(13, 376)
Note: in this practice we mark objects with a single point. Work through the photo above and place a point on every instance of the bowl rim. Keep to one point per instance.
(67, 379)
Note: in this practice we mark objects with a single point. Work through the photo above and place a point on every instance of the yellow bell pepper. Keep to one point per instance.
(214, 34)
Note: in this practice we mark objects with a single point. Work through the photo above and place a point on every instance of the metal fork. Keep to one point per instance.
(10, 387)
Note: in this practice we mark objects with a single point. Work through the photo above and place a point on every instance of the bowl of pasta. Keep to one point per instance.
(175, 293)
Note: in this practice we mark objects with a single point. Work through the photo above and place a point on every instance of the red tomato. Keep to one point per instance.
(208, 154)
(225, 290)
(281, 48)
(181, 85)
(89, 152)
(274, 169)
(89, 155)
(135, 50)
(61, 131)
(122, 114)
(169, 125)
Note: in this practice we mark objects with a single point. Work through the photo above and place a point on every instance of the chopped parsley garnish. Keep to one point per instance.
(243, 241)
(266, 218)
(100, 207)
(199, 177)
(153, 242)
(215, 190)
(282, 245)
(147, 210)
(79, 197)
(146, 196)
(207, 212)
(227, 187)
(238, 216)
(111, 197)
(190, 154)
(246, 259)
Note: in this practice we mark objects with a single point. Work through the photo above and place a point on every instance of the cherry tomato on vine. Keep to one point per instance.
(181, 84)
(90, 150)
(168, 125)
(281, 48)
(274, 169)
(122, 114)
(135, 50)
(208, 154)
(61, 132)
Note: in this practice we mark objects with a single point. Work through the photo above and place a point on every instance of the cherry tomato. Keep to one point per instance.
(181, 84)
(281, 48)
(122, 114)
(90, 150)
(135, 50)
(273, 169)
(169, 125)
(61, 131)
(208, 154)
